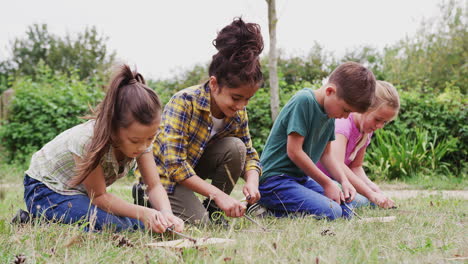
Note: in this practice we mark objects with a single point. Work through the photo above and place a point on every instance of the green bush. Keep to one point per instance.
(43, 108)
(404, 155)
(443, 116)
(260, 118)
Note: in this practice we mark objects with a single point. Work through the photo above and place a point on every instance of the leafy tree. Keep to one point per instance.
(436, 56)
(85, 52)
(368, 56)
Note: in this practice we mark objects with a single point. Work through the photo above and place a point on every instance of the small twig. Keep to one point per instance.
(182, 235)
(349, 208)
(228, 172)
(255, 222)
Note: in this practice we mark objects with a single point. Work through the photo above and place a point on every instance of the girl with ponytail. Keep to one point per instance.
(67, 179)
(204, 131)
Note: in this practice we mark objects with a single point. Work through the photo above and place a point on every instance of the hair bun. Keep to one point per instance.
(240, 42)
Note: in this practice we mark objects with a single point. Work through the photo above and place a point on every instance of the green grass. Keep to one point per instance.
(427, 230)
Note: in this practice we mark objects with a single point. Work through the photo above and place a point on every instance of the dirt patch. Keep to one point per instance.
(406, 194)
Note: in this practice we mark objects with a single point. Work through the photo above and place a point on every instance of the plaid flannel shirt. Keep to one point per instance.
(185, 132)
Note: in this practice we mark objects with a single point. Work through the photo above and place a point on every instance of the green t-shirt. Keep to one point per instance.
(305, 116)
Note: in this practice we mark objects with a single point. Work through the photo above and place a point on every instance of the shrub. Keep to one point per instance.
(408, 154)
(43, 108)
(443, 116)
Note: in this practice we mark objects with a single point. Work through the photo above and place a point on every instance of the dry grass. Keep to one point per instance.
(428, 229)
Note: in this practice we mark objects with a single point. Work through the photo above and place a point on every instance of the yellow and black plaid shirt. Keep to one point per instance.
(185, 131)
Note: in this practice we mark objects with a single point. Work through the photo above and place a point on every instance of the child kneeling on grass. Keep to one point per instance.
(353, 135)
(67, 179)
(205, 134)
(301, 135)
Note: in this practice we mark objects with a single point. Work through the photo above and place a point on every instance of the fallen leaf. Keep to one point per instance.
(275, 246)
(75, 239)
(19, 259)
(122, 241)
(226, 259)
(327, 232)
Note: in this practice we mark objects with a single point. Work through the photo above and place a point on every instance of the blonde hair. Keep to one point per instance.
(385, 95)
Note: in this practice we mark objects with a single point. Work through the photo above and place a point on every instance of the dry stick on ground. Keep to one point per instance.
(228, 172)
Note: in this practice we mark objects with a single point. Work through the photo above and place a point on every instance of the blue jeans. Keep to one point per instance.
(69, 209)
(284, 195)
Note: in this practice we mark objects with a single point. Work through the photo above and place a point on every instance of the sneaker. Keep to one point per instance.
(21, 217)
(256, 210)
(139, 194)
(215, 213)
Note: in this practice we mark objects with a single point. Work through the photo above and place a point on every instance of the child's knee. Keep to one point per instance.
(330, 210)
(360, 201)
(236, 148)
(235, 155)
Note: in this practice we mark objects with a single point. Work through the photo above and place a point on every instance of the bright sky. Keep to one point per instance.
(162, 38)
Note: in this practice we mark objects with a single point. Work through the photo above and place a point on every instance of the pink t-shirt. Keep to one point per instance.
(348, 128)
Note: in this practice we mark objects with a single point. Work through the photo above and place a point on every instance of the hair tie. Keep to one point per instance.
(132, 81)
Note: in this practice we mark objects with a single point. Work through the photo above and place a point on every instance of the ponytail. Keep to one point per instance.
(128, 99)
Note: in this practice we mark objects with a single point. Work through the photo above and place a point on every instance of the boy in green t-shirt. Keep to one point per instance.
(300, 137)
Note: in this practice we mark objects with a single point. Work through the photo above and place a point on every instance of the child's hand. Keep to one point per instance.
(251, 192)
(349, 192)
(174, 221)
(381, 200)
(332, 191)
(229, 205)
(155, 220)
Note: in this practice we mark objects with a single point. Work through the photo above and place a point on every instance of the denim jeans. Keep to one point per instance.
(69, 209)
(284, 195)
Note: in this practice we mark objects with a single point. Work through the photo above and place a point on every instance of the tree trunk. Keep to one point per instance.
(5, 100)
(273, 59)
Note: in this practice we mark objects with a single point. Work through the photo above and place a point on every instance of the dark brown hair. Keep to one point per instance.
(355, 84)
(128, 99)
(237, 61)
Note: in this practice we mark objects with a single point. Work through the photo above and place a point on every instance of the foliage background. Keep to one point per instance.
(57, 79)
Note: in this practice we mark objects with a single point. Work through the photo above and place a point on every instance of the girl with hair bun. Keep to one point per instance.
(67, 179)
(204, 132)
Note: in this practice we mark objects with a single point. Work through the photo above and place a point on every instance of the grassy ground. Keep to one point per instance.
(429, 229)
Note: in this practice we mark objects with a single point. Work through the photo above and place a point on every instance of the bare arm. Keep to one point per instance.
(300, 158)
(96, 188)
(229, 205)
(358, 170)
(332, 160)
(156, 192)
(338, 150)
(250, 189)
